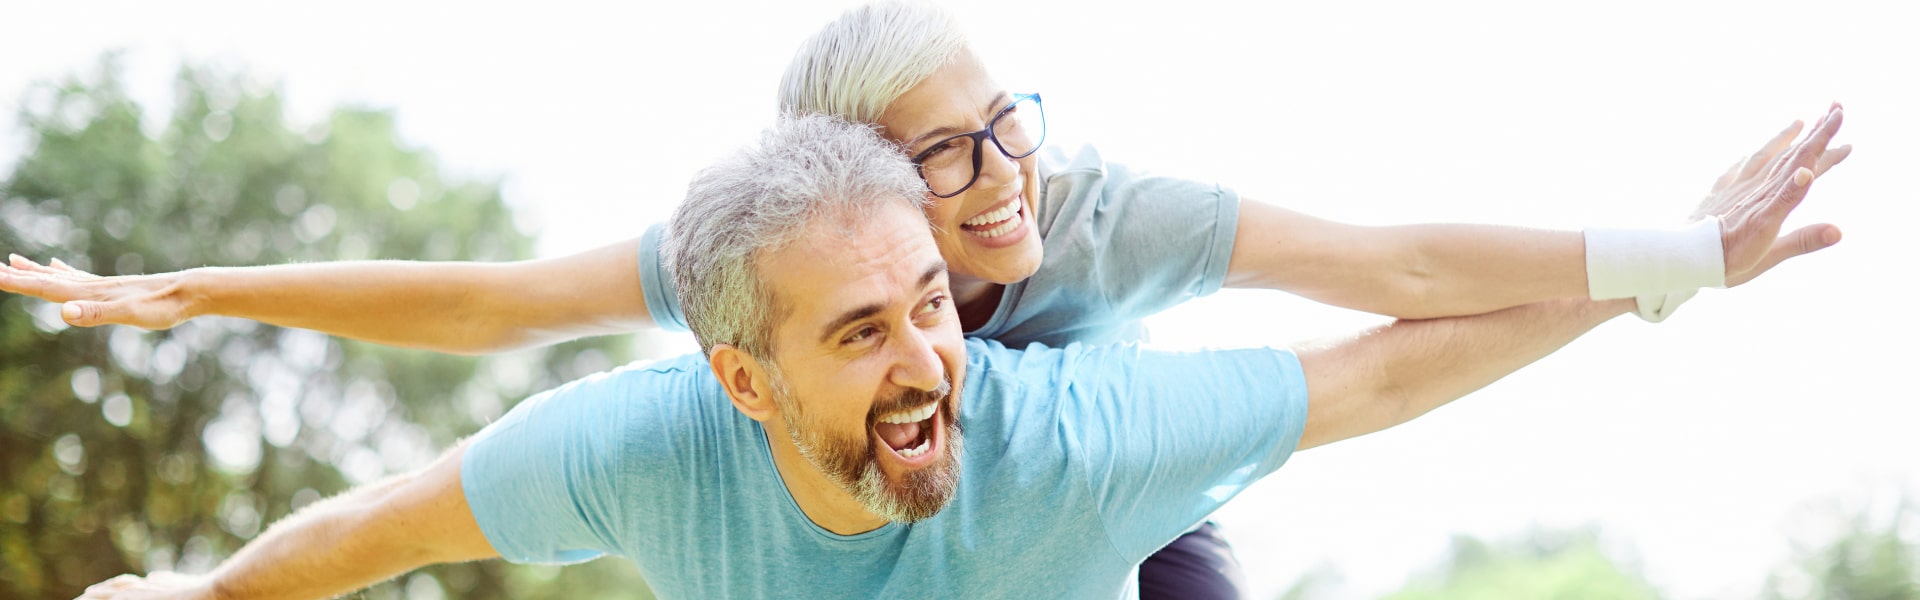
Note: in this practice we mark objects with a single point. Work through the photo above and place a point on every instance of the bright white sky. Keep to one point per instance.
(1702, 445)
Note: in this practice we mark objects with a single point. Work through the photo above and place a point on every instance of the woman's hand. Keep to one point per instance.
(1755, 196)
(160, 585)
(88, 300)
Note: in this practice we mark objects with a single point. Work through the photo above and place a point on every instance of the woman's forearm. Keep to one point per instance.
(1472, 269)
(1409, 271)
(466, 308)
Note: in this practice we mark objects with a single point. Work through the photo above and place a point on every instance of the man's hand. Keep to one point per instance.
(1754, 198)
(161, 585)
(144, 301)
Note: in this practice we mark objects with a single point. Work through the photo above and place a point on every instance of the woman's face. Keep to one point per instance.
(986, 232)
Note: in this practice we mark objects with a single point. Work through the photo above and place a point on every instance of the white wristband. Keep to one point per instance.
(1627, 263)
(1657, 307)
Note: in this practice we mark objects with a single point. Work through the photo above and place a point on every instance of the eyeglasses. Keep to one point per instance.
(1016, 130)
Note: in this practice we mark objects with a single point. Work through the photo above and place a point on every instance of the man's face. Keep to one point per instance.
(869, 361)
(987, 231)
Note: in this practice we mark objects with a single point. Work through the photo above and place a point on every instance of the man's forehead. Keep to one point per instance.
(835, 267)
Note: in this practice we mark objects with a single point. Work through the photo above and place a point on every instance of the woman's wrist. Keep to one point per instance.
(195, 291)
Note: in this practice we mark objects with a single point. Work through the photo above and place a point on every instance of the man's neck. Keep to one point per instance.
(975, 299)
(824, 502)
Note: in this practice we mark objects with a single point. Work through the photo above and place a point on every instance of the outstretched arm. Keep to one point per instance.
(336, 546)
(1427, 271)
(457, 307)
(1391, 374)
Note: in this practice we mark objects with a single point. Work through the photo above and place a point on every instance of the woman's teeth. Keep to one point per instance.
(999, 221)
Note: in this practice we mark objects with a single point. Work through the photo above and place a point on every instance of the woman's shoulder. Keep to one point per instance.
(1071, 160)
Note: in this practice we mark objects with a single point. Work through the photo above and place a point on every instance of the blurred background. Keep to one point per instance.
(1758, 444)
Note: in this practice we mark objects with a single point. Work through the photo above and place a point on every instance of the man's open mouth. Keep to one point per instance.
(908, 433)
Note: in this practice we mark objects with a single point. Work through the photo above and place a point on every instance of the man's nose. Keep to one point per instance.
(917, 365)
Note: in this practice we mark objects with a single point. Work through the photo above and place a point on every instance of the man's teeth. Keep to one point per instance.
(1001, 214)
(911, 416)
(916, 450)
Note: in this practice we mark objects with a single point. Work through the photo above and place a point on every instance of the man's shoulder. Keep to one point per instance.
(990, 355)
(1064, 363)
(1036, 363)
(668, 387)
(683, 369)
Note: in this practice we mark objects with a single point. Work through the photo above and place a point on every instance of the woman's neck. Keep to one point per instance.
(974, 299)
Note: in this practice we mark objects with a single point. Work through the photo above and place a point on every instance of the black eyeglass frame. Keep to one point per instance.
(979, 141)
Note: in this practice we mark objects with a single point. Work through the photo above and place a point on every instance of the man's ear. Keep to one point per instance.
(745, 381)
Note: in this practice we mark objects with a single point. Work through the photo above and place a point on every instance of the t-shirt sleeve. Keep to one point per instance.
(656, 283)
(544, 481)
(1120, 246)
(1152, 241)
(1158, 461)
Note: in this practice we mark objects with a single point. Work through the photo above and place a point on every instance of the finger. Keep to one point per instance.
(93, 314)
(1758, 220)
(80, 314)
(1795, 191)
(61, 268)
(1732, 174)
(1805, 153)
(25, 264)
(1785, 197)
(1831, 158)
(111, 584)
(1765, 155)
(38, 285)
(1802, 241)
(20, 282)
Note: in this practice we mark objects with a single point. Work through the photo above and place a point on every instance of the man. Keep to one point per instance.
(863, 448)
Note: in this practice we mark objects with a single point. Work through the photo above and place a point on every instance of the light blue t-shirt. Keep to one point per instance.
(1079, 462)
(1119, 246)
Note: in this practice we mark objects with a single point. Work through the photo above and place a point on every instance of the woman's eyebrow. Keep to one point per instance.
(998, 102)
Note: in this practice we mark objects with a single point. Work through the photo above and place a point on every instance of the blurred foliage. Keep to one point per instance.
(1561, 565)
(1867, 557)
(128, 451)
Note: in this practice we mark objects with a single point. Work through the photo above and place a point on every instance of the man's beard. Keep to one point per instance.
(850, 461)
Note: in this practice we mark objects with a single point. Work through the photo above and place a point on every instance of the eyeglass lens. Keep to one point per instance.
(952, 165)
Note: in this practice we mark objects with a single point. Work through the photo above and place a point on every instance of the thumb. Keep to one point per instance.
(1804, 240)
(89, 314)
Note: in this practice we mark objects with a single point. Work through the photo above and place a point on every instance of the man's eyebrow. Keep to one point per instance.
(851, 316)
(826, 334)
(998, 102)
(933, 270)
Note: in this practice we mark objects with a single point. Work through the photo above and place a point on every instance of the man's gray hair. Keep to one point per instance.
(860, 63)
(761, 198)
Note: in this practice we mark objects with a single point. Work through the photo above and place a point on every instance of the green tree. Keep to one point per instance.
(127, 451)
(1546, 565)
(1868, 559)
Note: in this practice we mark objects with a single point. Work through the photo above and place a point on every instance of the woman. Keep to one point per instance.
(1069, 249)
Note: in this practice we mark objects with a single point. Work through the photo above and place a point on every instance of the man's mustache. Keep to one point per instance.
(910, 398)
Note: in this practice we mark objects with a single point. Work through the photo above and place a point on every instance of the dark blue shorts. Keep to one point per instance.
(1199, 566)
